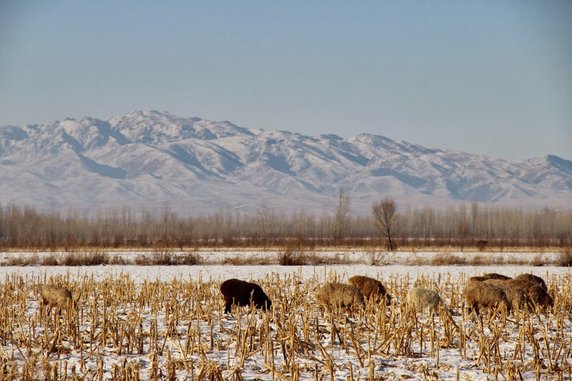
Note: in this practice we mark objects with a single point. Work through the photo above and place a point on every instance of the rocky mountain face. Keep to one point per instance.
(151, 159)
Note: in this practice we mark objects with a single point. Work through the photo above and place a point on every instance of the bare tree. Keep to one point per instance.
(166, 216)
(475, 216)
(24, 227)
(463, 228)
(342, 217)
(183, 232)
(385, 218)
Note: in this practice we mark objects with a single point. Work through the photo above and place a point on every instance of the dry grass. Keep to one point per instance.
(84, 259)
(448, 259)
(564, 259)
(31, 260)
(168, 258)
(239, 260)
(176, 330)
(483, 260)
(290, 257)
(286, 257)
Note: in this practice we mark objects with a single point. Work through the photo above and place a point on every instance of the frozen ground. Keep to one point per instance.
(448, 364)
(349, 262)
(251, 272)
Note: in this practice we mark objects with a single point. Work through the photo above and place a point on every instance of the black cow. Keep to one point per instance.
(241, 293)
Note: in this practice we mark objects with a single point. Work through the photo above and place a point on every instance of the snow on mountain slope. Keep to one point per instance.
(149, 159)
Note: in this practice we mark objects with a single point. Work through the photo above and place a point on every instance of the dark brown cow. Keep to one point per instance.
(240, 293)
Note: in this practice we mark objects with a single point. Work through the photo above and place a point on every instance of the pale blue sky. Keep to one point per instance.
(490, 77)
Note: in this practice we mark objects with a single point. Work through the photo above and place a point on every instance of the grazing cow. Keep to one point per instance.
(370, 288)
(533, 278)
(56, 296)
(496, 276)
(240, 293)
(485, 295)
(482, 244)
(333, 295)
(422, 298)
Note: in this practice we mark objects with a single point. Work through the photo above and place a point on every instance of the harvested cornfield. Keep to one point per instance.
(126, 327)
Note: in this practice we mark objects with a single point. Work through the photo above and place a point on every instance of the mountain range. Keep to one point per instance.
(151, 159)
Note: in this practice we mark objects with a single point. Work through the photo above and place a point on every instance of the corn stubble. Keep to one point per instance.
(177, 330)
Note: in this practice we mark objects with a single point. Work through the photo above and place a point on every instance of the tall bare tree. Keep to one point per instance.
(166, 216)
(385, 218)
(342, 217)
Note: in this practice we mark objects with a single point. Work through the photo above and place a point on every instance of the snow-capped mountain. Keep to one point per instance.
(152, 159)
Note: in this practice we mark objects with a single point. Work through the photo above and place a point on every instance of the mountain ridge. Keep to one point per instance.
(151, 158)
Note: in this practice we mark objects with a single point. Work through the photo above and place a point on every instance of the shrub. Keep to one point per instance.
(49, 260)
(167, 258)
(189, 259)
(156, 259)
(251, 261)
(290, 257)
(447, 259)
(85, 259)
(479, 260)
(296, 258)
(537, 261)
(564, 259)
(117, 260)
(22, 261)
(375, 258)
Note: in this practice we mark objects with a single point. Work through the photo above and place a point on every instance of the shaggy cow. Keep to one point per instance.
(56, 296)
(485, 295)
(340, 295)
(240, 293)
(496, 276)
(517, 298)
(533, 278)
(524, 291)
(370, 288)
(534, 290)
(422, 298)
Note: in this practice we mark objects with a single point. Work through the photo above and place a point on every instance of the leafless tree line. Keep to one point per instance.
(470, 225)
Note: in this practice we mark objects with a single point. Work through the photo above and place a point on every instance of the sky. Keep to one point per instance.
(485, 77)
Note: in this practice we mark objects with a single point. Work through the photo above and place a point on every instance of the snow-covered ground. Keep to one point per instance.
(449, 362)
(220, 265)
(252, 272)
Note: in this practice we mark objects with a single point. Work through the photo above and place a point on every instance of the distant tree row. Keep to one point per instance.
(388, 226)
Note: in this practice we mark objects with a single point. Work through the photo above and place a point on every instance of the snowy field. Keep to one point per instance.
(167, 322)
